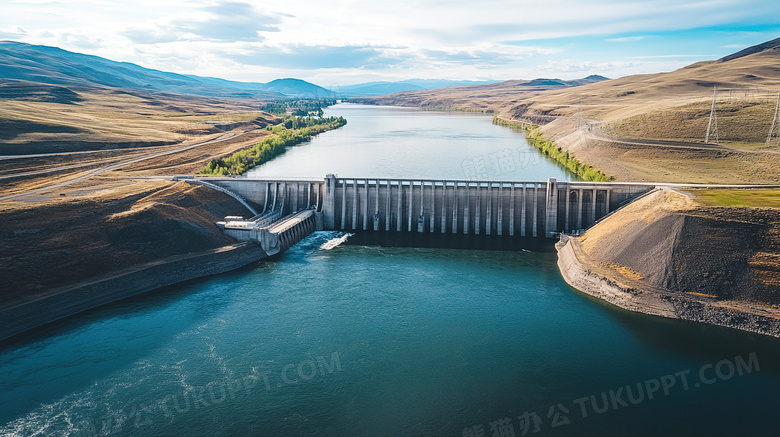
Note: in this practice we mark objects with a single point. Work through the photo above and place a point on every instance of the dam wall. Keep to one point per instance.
(435, 206)
(287, 195)
(503, 208)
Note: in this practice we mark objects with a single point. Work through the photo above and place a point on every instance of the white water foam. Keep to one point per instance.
(335, 242)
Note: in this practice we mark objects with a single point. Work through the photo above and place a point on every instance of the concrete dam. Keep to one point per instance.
(288, 210)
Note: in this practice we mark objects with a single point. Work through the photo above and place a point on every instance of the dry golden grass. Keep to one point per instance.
(193, 160)
(110, 126)
(676, 105)
(106, 117)
(743, 124)
(702, 294)
(492, 98)
(637, 163)
(626, 271)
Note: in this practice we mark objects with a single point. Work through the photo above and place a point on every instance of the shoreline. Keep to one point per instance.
(633, 296)
(572, 264)
(23, 317)
(550, 150)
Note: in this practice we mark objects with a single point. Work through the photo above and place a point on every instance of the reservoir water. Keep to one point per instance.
(348, 340)
(394, 142)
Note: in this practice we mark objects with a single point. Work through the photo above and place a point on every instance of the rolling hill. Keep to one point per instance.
(749, 75)
(676, 105)
(55, 66)
(652, 127)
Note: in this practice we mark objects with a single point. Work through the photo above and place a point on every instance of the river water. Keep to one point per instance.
(348, 340)
(393, 142)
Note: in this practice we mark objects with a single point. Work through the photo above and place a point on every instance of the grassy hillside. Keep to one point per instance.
(77, 238)
(676, 105)
(39, 118)
(55, 66)
(52, 65)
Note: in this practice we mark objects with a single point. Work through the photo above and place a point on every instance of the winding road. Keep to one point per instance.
(595, 131)
(110, 167)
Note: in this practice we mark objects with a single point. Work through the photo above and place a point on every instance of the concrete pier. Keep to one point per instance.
(511, 209)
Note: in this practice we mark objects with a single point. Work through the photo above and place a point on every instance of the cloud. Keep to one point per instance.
(616, 68)
(525, 20)
(626, 39)
(149, 36)
(12, 33)
(230, 21)
(224, 22)
(81, 41)
(587, 67)
(466, 57)
(710, 56)
(336, 41)
(491, 55)
(318, 56)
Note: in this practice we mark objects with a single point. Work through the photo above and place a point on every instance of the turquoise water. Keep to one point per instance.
(385, 341)
(393, 142)
(359, 341)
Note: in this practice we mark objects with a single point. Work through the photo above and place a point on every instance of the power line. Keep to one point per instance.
(580, 121)
(712, 126)
(774, 130)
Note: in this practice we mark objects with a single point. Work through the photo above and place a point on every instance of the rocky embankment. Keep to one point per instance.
(58, 304)
(61, 258)
(666, 255)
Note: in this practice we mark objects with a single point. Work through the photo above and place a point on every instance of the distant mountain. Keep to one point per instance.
(443, 83)
(376, 89)
(546, 82)
(594, 78)
(287, 88)
(371, 89)
(490, 97)
(55, 66)
(758, 48)
(296, 88)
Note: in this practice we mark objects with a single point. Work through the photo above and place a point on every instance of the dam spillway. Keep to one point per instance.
(465, 207)
(507, 209)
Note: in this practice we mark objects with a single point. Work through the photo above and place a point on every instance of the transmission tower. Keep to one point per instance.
(580, 120)
(774, 131)
(712, 126)
(336, 94)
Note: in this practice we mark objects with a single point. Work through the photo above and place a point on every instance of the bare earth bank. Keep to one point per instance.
(667, 255)
(71, 255)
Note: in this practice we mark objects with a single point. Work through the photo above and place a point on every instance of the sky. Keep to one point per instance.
(344, 42)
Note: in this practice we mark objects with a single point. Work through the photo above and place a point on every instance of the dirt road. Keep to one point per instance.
(110, 167)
